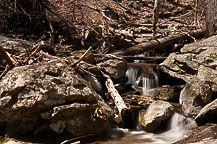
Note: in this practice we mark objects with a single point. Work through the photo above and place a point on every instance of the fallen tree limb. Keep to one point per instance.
(141, 64)
(119, 102)
(37, 48)
(82, 57)
(159, 43)
(4, 72)
(70, 141)
(143, 58)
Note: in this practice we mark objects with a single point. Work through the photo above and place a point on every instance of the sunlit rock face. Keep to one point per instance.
(197, 65)
(114, 66)
(52, 92)
(155, 114)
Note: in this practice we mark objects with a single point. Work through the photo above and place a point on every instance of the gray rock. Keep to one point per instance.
(17, 44)
(197, 65)
(155, 114)
(208, 113)
(55, 92)
(194, 96)
(201, 135)
(185, 65)
(114, 66)
(166, 92)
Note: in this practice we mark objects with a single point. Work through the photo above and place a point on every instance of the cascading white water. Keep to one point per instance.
(132, 75)
(149, 84)
(135, 77)
(177, 128)
(176, 131)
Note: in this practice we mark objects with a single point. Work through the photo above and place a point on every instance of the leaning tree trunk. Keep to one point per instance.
(211, 16)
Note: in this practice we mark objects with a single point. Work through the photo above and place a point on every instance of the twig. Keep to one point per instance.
(5, 71)
(37, 48)
(53, 57)
(57, 15)
(173, 18)
(76, 138)
(81, 58)
(11, 58)
(97, 10)
(6, 57)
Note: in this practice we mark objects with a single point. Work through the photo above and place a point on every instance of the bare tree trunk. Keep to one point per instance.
(211, 16)
(196, 12)
(155, 17)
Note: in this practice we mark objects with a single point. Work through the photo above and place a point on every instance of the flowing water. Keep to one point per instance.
(176, 130)
(135, 77)
(173, 131)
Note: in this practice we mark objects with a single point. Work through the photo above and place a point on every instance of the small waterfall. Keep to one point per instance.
(149, 84)
(132, 74)
(177, 128)
(136, 78)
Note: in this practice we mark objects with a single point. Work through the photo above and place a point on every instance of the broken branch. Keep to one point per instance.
(119, 102)
(6, 57)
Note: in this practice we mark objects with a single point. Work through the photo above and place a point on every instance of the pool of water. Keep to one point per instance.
(177, 129)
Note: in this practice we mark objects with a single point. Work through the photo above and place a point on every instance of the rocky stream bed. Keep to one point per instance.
(53, 97)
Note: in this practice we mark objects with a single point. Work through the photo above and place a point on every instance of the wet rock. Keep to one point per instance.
(54, 92)
(138, 100)
(166, 92)
(115, 67)
(157, 113)
(194, 96)
(208, 113)
(202, 134)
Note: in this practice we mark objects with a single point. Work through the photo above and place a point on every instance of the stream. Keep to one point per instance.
(176, 128)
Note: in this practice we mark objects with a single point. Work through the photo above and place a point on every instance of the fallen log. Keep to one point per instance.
(119, 102)
(159, 43)
(130, 58)
(141, 64)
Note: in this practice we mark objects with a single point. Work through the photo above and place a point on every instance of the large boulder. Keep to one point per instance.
(185, 65)
(197, 65)
(208, 113)
(157, 113)
(54, 93)
(194, 96)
